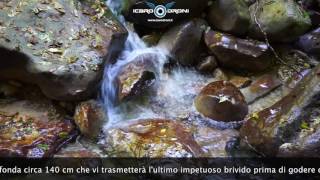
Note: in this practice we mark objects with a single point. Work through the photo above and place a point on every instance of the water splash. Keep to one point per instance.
(134, 46)
(175, 90)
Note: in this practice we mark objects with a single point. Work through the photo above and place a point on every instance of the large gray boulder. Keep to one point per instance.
(61, 46)
(281, 20)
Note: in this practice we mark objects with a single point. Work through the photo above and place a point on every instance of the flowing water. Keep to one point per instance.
(175, 90)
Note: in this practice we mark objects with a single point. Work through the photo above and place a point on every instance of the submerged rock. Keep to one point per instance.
(77, 155)
(75, 150)
(90, 117)
(260, 87)
(208, 65)
(61, 46)
(222, 101)
(137, 76)
(267, 130)
(32, 129)
(281, 20)
(213, 142)
(230, 16)
(153, 138)
(310, 43)
(183, 41)
(238, 54)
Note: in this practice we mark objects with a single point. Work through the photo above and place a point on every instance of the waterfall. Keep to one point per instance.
(175, 90)
(134, 46)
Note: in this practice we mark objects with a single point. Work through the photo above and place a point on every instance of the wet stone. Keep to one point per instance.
(151, 138)
(222, 101)
(238, 54)
(272, 127)
(214, 141)
(136, 77)
(76, 150)
(90, 117)
(183, 41)
(77, 155)
(30, 131)
(260, 87)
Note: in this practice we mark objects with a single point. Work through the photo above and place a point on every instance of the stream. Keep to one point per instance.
(176, 88)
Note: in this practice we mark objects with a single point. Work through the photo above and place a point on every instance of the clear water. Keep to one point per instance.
(174, 92)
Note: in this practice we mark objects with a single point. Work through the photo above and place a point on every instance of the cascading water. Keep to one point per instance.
(175, 91)
(134, 46)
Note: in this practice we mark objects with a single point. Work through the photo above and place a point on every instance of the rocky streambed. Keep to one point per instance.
(233, 78)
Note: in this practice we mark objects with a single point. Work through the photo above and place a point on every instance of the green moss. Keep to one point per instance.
(63, 135)
(44, 147)
(304, 125)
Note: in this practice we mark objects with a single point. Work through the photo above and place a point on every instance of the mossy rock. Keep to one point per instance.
(61, 46)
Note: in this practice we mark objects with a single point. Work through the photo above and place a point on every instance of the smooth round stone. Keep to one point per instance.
(222, 101)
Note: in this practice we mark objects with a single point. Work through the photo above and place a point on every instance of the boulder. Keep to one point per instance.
(154, 138)
(310, 43)
(221, 101)
(137, 76)
(282, 20)
(207, 65)
(33, 129)
(269, 129)
(231, 16)
(238, 54)
(61, 46)
(89, 117)
(183, 41)
(149, 20)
